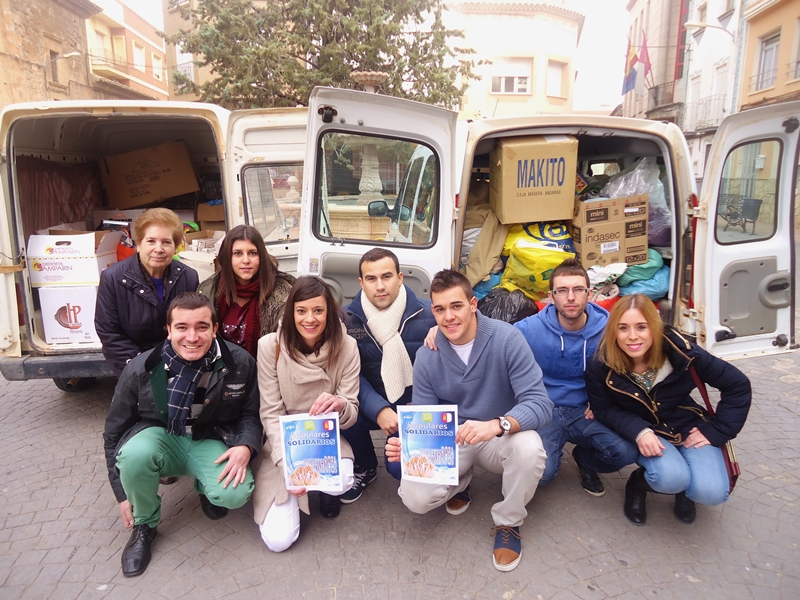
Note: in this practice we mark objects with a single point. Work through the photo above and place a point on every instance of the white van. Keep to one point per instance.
(381, 171)
(255, 157)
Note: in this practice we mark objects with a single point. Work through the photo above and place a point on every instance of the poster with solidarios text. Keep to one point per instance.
(428, 443)
(312, 452)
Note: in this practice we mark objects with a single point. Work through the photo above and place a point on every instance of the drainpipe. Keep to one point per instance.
(739, 52)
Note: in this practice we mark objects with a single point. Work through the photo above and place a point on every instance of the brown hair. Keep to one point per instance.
(160, 217)
(267, 264)
(450, 278)
(377, 254)
(610, 352)
(305, 288)
(569, 268)
(191, 301)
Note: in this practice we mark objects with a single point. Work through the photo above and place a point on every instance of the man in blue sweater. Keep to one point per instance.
(389, 323)
(485, 368)
(563, 337)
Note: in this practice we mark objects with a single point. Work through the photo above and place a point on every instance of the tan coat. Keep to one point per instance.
(290, 388)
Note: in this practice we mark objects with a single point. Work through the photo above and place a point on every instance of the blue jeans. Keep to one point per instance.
(700, 472)
(360, 440)
(600, 449)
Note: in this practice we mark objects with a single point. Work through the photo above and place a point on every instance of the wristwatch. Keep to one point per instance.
(505, 425)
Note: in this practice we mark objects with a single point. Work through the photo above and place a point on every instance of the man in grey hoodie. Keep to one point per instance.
(485, 368)
(562, 337)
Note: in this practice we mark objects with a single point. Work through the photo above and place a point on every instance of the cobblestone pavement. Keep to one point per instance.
(61, 535)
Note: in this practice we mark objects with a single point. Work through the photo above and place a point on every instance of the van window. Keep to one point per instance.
(272, 200)
(376, 189)
(746, 205)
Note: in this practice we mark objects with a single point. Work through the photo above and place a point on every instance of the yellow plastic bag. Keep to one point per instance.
(554, 233)
(529, 267)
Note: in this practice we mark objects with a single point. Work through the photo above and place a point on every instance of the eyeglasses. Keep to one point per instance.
(576, 291)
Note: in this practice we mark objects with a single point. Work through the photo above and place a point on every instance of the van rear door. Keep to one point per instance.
(379, 171)
(10, 263)
(744, 267)
(264, 175)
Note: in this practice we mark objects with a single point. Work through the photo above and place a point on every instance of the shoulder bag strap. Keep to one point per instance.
(701, 386)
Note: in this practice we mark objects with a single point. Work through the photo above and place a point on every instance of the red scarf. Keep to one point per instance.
(252, 325)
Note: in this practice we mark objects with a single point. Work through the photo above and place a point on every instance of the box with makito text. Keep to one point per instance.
(533, 178)
(610, 230)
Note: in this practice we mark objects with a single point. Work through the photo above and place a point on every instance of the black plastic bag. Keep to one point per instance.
(507, 306)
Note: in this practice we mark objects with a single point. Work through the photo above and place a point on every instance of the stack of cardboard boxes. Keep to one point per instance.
(65, 266)
(533, 179)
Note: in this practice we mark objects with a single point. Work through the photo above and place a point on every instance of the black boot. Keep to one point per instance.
(136, 555)
(635, 497)
(329, 506)
(212, 511)
(684, 509)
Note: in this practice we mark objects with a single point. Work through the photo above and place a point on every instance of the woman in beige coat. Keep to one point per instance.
(309, 365)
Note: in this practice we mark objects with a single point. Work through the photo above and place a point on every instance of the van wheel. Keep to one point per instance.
(76, 384)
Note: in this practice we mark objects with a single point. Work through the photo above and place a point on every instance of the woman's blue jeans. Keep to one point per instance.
(700, 472)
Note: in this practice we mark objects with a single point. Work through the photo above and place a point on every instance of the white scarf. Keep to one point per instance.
(396, 371)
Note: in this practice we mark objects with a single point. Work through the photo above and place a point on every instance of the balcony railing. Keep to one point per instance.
(763, 80)
(706, 113)
(106, 57)
(794, 70)
(662, 95)
(186, 69)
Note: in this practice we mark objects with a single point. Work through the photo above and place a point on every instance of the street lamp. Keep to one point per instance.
(698, 25)
(67, 55)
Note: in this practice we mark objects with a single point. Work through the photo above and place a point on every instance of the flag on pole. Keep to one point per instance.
(644, 56)
(630, 74)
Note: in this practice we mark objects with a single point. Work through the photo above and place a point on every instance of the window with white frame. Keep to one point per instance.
(158, 67)
(511, 76)
(794, 68)
(768, 61)
(555, 79)
(702, 12)
(138, 57)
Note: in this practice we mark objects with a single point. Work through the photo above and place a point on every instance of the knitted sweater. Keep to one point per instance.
(502, 377)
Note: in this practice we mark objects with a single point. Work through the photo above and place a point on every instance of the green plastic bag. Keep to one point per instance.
(642, 272)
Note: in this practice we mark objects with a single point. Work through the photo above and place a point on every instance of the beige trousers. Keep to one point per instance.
(519, 458)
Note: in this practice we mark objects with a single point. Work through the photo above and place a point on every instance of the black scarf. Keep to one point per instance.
(180, 390)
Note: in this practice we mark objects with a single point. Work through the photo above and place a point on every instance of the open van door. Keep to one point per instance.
(744, 268)
(10, 263)
(379, 171)
(264, 175)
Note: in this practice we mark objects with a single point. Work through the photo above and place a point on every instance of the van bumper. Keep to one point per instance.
(66, 366)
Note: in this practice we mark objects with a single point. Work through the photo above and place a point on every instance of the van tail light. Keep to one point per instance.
(458, 203)
(20, 311)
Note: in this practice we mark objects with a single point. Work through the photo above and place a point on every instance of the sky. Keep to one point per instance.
(600, 59)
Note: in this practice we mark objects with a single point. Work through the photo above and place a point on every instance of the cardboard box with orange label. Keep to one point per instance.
(61, 260)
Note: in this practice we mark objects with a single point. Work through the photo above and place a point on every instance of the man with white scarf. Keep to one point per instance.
(389, 323)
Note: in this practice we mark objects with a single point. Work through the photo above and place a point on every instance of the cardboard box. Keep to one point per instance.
(70, 260)
(212, 225)
(68, 314)
(208, 212)
(148, 176)
(606, 231)
(532, 178)
(100, 215)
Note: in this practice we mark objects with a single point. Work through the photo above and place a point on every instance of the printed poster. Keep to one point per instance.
(428, 443)
(312, 452)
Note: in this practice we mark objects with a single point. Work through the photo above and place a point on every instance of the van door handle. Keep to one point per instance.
(778, 287)
(771, 287)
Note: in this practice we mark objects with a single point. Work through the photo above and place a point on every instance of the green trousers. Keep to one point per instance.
(153, 453)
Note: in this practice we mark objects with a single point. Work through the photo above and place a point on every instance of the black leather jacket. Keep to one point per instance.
(230, 411)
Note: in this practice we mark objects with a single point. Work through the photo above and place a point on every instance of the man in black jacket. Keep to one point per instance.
(187, 407)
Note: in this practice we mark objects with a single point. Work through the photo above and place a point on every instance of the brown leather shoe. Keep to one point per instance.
(459, 503)
(507, 547)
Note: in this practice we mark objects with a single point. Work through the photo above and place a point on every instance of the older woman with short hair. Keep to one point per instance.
(132, 300)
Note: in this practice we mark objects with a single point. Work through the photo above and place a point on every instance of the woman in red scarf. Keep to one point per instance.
(248, 291)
